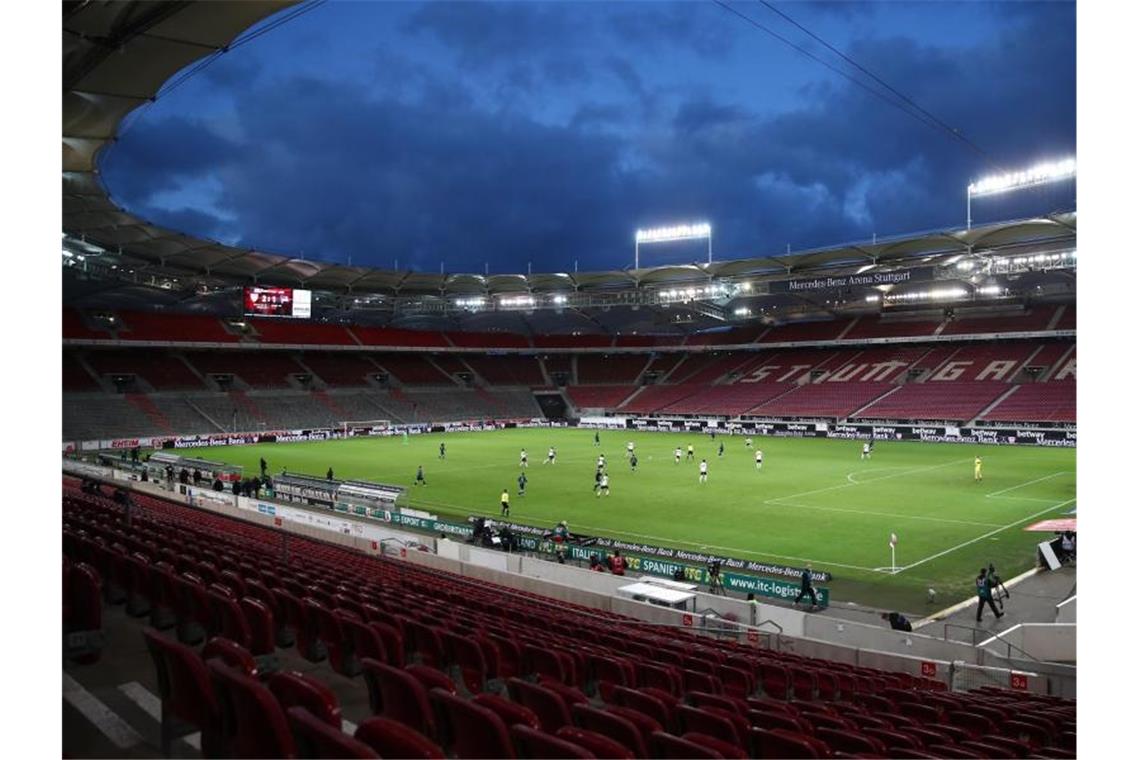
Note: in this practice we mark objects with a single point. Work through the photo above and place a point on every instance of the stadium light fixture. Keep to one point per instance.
(1040, 174)
(695, 231)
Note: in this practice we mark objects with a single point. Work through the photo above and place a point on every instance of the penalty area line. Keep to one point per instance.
(996, 494)
(984, 536)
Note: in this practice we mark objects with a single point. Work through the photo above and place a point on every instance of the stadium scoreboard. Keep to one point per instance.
(278, 302)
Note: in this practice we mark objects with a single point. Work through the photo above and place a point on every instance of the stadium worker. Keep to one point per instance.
(603, 485)
(329, 474)
(597, 439)
(617, 563)
(985, 595)
(596, 564)
(806, 589)
(420, 476)
(677, 455)
(759, 459)
(720, 449)
(504, 504)
(522, 484)
(550, 454)
(264, 466)
(995, 582)
(977, 469)
(898, 621)
(633, 463)
(689, 453)
(560, 535)
(522, 458)
(442, 450)
(704, 476)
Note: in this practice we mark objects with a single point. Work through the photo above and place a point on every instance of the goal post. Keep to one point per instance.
(364, 427)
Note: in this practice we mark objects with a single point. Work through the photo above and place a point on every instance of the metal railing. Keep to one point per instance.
(1009, 646)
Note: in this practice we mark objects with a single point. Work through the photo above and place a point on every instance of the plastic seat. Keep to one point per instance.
(510, 656)
(337, 645)
(309, 644)
(189, 703)
(996, 746)
(262, 629)
(974, 723)
(1024, 731)
(669, 747)
(851, 741)
(472, 731)
(645, 703)
(772, 719)
(425, 642)
(693, 680)
(192, 609)
(616, 727)
(722, 747)
(775, 680)
(736, 681)
(315, 738)
(231, 653)
(283, 634)
(84, 640)
(778, 743)
(468, 665)
(803, 683)
(607, 672)
(659, 677)
(548, 705)
(709, 721)
(366, 640)
(599, 745)
(136, 567)
(511, 713)
(293, 689)
(397, 694)
(390, 738)
(253, 723)
(431, 678)
(227, 619)
(161, 589)
(532, 743)
(571, 695)
(544, 661)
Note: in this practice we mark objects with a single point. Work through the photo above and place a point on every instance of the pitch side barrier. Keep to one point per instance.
(1005, 436)
(202, 440)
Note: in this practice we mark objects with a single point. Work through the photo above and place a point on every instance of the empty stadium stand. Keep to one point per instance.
(432, 652)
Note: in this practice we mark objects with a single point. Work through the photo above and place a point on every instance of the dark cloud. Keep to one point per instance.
(699, 27)
(420, 169)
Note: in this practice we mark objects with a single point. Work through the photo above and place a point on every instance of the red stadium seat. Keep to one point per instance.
(315, 738)
(669, 747)
(390, 738)
(532, 743)
(397, 694)
(189, 703)
(471, 730)
(599, 745)
(253, 723)
(616, 727)
(552, 711)
(294, 689)
(511, 713)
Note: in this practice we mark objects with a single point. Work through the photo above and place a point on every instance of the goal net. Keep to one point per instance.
(364, 427)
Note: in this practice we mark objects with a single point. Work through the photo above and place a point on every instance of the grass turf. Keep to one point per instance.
(815, 499)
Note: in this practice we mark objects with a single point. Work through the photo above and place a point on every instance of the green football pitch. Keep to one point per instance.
(815, 500)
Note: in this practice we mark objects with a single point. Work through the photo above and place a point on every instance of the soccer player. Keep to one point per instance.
(550, 456)
(504, 504)
(689, 453)
(747, 443)
(759, 459)
(420, 476)
(629, 449)
(677, 455)
(442, 450)
(522, 484)
(720, 449)
(603, 485)
(597, 480)
(597, 439)
(633, 462)
(522, 458)
(601, 461)
(977, 469)
(704, 477)
(866, 451)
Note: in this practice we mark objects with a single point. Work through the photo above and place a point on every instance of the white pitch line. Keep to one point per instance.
(865, 482)
(889, 514)
(102, 717)
(964, 544)
(152, 706)
(1027, 483)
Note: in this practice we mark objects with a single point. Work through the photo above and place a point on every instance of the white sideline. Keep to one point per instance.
(102, 717)
(152, 706)
(891, 515)
(1027, 483)
(1058, 505)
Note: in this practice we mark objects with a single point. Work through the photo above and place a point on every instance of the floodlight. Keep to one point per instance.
(695, 231)
(1040, 174)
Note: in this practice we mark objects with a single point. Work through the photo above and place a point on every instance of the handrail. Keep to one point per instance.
(1009, 646)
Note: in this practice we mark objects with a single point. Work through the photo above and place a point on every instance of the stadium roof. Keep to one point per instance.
(119, 56)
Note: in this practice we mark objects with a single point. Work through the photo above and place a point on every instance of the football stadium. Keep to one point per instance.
(702, 497)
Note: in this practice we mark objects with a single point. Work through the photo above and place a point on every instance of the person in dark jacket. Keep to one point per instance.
(329, 474)
(985, 595)
(898, 621)
(806, 589)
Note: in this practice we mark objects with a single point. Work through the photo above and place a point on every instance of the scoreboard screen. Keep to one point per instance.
(278, 302)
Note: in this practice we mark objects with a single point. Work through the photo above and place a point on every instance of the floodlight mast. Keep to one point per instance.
(1003, 183)
(697, 231)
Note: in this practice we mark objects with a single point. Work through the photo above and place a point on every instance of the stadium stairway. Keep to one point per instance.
(239, 398)
(148, 407)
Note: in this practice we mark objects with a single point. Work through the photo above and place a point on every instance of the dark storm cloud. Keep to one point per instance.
(420, 171)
